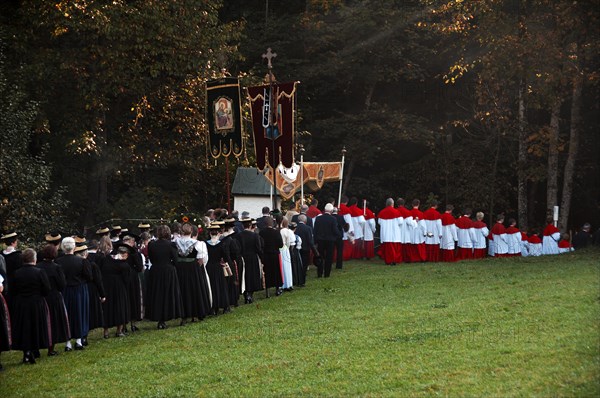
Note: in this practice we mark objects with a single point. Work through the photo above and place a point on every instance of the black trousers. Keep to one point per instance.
(326, 252)
(339, 253)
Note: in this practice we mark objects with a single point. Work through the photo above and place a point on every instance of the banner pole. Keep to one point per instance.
(301, 175)
(341, 177)
(228, 185)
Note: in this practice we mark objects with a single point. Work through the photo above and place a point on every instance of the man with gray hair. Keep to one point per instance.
(303, 210)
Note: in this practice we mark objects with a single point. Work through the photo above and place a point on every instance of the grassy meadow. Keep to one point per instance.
(495, 328)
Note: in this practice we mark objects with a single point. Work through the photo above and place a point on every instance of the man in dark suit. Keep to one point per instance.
(305, 233)
(261, 221)
(326, 233)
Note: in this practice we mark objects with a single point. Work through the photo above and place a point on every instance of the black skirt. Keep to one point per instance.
(272, 270)
(190, 286)
(135, 296)
(5, 327)
(30, 323)
(218, 285)
(59, 320)
(96, 313)
(297, 268)
(116, 306)
(253, 277)
(163, 301)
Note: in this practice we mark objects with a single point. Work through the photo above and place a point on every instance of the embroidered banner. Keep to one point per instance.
(273, 108)
(224, 117)
(315, 175)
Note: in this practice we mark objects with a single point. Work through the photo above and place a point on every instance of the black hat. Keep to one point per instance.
(134, 236)
(121, 245)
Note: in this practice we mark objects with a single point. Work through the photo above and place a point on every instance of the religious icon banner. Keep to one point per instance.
(315, 175)
(224, 117)
(273, 108)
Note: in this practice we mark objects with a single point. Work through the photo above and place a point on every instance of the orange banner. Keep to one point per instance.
(315, 175)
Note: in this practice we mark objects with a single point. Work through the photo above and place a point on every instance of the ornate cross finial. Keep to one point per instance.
(269, 56)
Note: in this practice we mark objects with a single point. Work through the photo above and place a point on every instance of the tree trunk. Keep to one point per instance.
(347, 175)
(522, 161)
(492, 219)
(552, 180)
(565, 205)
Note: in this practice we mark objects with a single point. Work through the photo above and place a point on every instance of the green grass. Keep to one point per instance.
(497, 327)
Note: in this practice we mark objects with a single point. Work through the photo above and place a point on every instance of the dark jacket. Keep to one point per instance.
(306, 234)
(326, 228)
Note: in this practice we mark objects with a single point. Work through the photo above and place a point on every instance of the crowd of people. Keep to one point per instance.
(75, 284)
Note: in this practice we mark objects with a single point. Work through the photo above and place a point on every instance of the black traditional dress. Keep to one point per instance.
(30, 322)
(271, 257)
(163, 300)
(77, 272)
(297, 266)
(59, 320)
(115, 278)
(13, 263)
(218, 284)
(252, 251)
(232, 246)
(192, 279)
(96, 292)
(5, 327)
(134, 287)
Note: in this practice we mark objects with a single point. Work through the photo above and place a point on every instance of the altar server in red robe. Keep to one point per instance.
(466, 236)
(433, 224)
(513, 238)
(550, 239)
(417, 246)
(499, 236)
(449, 236)
(370, 229)
(389, 220)
(349, 234)
(481, 232)
(535, 245)
(358, 222)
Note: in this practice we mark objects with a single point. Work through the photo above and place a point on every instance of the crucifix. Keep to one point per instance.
(269, 56)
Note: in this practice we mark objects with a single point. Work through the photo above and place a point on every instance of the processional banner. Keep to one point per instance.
(289, 180)
(224, 117)
(273, 107)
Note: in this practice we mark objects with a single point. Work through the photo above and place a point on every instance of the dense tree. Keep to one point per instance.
(28, 202)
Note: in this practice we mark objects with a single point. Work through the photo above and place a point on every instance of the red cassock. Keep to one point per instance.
(416, 251)
(510, 231)
(498, 229)
(432, 250)
(479, 253)
(550, 230)
(358, 249)
(464, 223)
(404, 245)
(390, 252)
(369, 244)
(313, 211)
(348, 245)
(447, 255)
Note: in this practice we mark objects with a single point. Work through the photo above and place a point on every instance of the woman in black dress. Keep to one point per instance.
(271, 257)
(191, 255)
(56, 305)
(78, 273)
(115, 277)
(164, 298)
(5, 337)
(251, 244)
(30, 324)
(218, 259)
(95, 290)
(134, 286)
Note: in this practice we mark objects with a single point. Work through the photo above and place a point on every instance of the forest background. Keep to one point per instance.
(490, 104)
